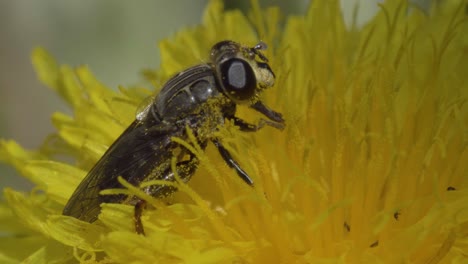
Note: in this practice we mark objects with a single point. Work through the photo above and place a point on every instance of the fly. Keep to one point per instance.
(201, 98)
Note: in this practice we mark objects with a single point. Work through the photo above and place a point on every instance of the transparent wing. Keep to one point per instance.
(144, 108)
(140, 148)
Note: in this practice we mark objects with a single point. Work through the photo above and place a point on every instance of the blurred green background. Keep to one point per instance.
(115, 38)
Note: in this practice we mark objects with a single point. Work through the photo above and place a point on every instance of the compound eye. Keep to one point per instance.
(238, 79)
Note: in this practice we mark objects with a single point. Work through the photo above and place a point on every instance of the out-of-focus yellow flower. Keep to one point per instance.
(372, 167)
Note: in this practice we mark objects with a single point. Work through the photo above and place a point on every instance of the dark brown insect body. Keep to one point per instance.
(200, 98)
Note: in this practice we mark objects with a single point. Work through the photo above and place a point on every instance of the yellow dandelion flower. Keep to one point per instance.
(371, 168)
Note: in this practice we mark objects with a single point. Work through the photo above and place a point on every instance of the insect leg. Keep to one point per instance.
(247, 127)
(185, 170)
(272, 115)
(232, 163)
(139, 207)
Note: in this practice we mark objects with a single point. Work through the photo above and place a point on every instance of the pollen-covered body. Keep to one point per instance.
(200, 99)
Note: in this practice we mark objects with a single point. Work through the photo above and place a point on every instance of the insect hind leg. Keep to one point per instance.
(139, 207)
(185, 170)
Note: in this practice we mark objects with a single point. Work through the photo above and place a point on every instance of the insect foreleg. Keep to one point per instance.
(247, 127)
(272, 115)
